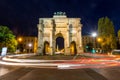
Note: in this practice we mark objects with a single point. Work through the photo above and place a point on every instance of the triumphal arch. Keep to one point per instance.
(59, 35)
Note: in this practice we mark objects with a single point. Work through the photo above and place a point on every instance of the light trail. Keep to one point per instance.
(65, 64)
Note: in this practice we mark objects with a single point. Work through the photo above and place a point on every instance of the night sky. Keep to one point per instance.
(21, 16)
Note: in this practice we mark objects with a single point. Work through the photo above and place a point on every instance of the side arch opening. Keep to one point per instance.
(73, 50)
(46, 49)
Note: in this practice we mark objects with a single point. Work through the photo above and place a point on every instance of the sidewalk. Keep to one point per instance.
(97, 55)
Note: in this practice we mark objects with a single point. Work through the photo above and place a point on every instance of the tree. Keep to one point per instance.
(106, 33)
(7, 39)
(118, 42)
(118, 33)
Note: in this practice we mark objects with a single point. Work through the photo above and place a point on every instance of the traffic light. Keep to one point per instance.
(86, 47)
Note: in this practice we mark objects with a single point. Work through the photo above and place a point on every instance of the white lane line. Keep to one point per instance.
(29, 60)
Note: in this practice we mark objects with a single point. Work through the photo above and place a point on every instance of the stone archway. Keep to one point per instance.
(50, 29)
(46, 48)
(73, 49)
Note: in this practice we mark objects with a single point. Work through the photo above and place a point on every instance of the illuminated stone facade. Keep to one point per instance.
(49, 29)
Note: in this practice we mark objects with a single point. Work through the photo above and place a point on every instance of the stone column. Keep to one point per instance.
(50, 38)
(53, 37)
(68, 36)
(67, 41)
(52, 42)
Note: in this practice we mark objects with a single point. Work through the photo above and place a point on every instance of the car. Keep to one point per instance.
(115, 52)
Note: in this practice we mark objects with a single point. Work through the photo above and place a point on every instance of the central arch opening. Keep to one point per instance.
(59, 44)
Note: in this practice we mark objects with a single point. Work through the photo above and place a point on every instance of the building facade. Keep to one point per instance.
(27, 44)
(68, 29)
(90, 42)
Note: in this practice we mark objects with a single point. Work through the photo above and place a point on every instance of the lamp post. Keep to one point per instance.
(30, 45)
(99, 40)
(19, 47)
(94, 34)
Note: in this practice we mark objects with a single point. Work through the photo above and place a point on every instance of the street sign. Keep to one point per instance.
(4, 51)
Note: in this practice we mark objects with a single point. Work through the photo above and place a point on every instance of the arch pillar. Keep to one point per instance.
(67, 48)
(40, 40)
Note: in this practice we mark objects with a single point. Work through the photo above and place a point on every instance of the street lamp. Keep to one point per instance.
(94, 34)
(20, 39)
(99, 39)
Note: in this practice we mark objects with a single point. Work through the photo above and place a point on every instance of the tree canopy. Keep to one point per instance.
(106, 33)
(7, 39)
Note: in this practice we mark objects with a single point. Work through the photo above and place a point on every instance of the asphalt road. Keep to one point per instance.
(6, 69)
(27, 73)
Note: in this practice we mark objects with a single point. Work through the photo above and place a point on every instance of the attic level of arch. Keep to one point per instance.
(53, 23)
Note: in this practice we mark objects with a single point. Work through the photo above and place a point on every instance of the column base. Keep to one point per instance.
(67, 51)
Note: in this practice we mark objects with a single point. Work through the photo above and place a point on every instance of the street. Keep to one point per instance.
(27, 73)
(6, 69)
